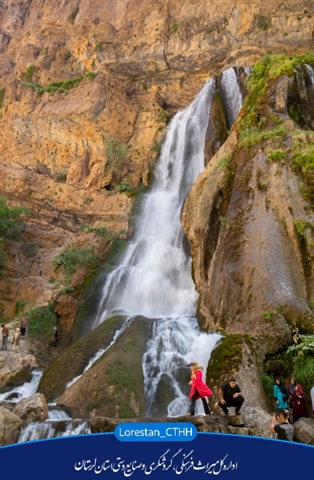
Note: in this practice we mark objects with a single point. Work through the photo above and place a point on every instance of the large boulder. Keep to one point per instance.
(15, 369)
(32, 409)
(304, 431)
(73, 360)
(10, 425)
(114, 385)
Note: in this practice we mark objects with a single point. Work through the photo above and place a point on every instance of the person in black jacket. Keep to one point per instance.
(230, 396)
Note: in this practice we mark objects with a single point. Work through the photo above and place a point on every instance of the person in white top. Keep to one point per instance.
(312, 398)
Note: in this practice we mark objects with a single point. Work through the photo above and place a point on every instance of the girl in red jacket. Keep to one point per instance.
(198, 388)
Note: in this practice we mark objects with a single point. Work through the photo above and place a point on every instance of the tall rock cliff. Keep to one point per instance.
(86, 91)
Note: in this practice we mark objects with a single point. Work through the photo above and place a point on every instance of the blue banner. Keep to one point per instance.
(231, 457)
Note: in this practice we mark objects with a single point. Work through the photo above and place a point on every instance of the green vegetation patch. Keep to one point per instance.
(252, 136)
(302, 356)
(125, 187)
(41, 321)
(73, 258)
(225, 359)
(303, 162)
(73, 15)
(62, 86)
(116, 153)
(29, 73)
(275, 155)
(10, 225)
(264, 73)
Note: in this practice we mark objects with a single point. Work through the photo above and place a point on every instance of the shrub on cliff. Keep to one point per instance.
(9, 224)
(302, 354)
(73, 258)
(41, 321)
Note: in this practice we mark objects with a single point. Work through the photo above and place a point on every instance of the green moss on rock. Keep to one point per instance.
(225, 359)
(114, 385)
(74, 359)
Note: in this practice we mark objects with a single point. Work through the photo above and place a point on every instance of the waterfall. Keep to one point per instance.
(231, 93)
(154, 277)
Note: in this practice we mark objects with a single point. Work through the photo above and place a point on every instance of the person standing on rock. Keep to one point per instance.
(23, 326)
(16, 339)
(5, 337)
(284, 429)
(297, 400)
(230, 396)
(55, 336)
(198, 388)
(280, 395)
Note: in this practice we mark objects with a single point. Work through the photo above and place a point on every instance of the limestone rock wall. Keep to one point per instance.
(136, 64)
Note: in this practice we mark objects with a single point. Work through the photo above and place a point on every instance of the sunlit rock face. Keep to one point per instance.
(134, 65)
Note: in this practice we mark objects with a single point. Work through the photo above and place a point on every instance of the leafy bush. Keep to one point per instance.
(41, 321)
(275, 155)
(29, 73)
(73, 258)
(268, 315)
(9, 219)
(262, 22)
(300, 229)
(101, 230)
(91, 75)
(61, 177)
(302, 354)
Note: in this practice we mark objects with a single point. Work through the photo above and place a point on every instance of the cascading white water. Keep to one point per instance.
(48, 429)
(231, 93)
(25, 390)
(57, 414)
(174, 343)
(154, 277)
(310, 71)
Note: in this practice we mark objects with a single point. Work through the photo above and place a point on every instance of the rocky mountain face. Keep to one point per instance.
(86, 91)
